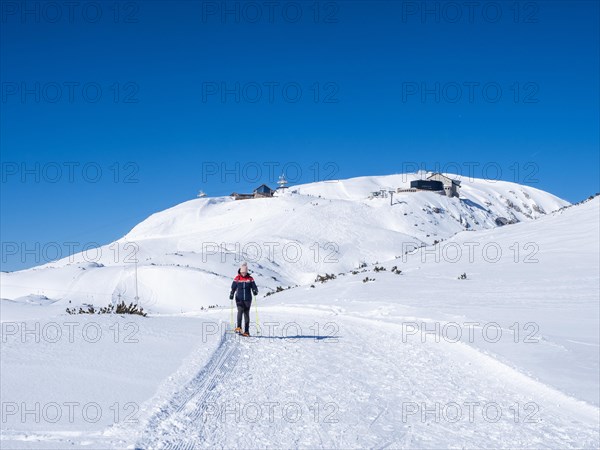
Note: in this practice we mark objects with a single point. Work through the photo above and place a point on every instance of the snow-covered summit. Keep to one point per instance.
(327, 226)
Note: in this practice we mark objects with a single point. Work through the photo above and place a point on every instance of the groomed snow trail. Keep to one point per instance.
(191, 401)
(325, 380)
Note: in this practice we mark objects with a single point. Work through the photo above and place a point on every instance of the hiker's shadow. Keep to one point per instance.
(298, 336)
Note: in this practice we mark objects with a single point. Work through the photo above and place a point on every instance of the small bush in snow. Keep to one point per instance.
(325, 278)
(379, 268)
(396, 270)
(367, 279)
(463, 276)
(119, 308)
(90, 310)
(279, 289)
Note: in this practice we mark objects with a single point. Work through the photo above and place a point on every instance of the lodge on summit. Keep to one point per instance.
(435, 182)
(263, 191)
(450, 185)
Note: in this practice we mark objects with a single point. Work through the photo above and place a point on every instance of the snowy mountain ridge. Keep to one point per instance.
(321, 227)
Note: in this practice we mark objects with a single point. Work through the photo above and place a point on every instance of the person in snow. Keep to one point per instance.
(242, 288)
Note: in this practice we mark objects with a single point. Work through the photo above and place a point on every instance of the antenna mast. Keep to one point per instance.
(137, 298)
(282, 182)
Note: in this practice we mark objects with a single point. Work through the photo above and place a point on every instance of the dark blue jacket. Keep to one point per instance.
(243, 287)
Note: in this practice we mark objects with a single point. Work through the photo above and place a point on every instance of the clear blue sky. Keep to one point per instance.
(348, 87)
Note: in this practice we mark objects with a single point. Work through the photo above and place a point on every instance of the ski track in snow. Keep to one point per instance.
(335, 402)
(190, 402)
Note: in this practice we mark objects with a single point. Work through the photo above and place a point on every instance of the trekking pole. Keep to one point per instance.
(256, 315)
(231, 322)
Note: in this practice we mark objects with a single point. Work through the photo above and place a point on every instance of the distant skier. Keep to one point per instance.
(243, 287)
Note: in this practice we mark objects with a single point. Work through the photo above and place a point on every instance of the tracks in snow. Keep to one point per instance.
(167, 428)
(354, 392)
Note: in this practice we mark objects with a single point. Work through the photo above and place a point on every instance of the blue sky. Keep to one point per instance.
(111, 113)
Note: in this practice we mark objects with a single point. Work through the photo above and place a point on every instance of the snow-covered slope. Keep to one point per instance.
(188, 253)
(535, 283)
(407, 358)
